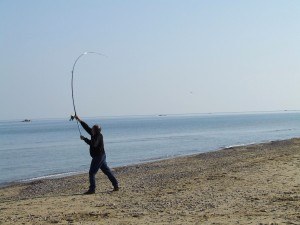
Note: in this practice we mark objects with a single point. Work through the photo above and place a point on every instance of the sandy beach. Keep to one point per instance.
(255, 184)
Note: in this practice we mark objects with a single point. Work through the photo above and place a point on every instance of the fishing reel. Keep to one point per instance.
(72, 118)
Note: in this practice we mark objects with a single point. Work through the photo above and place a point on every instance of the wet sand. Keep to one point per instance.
(255, 184)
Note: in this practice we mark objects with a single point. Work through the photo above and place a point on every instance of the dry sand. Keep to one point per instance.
(255, 184)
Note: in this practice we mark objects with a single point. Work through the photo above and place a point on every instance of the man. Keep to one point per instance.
(98, 156)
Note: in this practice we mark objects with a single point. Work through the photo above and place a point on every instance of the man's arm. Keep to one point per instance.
(88, 141)
(84, 125)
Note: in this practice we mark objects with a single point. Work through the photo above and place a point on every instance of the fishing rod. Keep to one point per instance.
(72, 88)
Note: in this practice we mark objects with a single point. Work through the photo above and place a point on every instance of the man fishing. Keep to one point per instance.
(98, 156)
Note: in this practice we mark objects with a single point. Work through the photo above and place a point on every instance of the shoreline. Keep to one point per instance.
(75, 173)
(253, 184)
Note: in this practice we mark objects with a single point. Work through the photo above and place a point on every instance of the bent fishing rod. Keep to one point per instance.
(72, 86)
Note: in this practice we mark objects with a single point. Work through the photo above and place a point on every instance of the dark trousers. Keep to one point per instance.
(99, 162)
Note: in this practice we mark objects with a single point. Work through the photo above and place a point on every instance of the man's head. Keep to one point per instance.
(96, 129)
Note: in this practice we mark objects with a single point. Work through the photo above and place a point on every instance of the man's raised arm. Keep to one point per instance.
(84, 125)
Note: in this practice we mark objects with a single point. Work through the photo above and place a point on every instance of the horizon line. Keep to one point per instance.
(159, 114)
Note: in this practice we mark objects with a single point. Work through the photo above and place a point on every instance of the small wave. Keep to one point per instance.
(251, 143)
(238, 145)
(51, 176)
(155, 158)
(159, 138)
(280, 130)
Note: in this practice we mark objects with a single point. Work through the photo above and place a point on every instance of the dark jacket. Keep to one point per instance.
(96, 143)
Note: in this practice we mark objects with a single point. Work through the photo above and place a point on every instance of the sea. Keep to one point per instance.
(47, 148)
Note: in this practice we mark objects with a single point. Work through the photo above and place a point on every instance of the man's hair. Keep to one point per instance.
(97, 127)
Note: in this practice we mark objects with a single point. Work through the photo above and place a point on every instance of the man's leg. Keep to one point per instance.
(95, 165)
(106, 170)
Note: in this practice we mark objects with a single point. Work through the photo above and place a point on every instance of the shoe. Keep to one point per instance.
(116, 189)
(89, 192)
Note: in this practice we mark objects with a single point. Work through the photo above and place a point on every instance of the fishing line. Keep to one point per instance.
(72, 88)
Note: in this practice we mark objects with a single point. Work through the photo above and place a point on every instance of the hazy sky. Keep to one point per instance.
(163, 57)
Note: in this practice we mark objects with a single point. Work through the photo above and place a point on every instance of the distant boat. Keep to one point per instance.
(162, 115)
(26, 120)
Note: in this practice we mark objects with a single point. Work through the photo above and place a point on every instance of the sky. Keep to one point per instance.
(163, 57)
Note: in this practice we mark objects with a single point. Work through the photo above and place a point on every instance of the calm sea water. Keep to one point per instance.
(52, 147)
